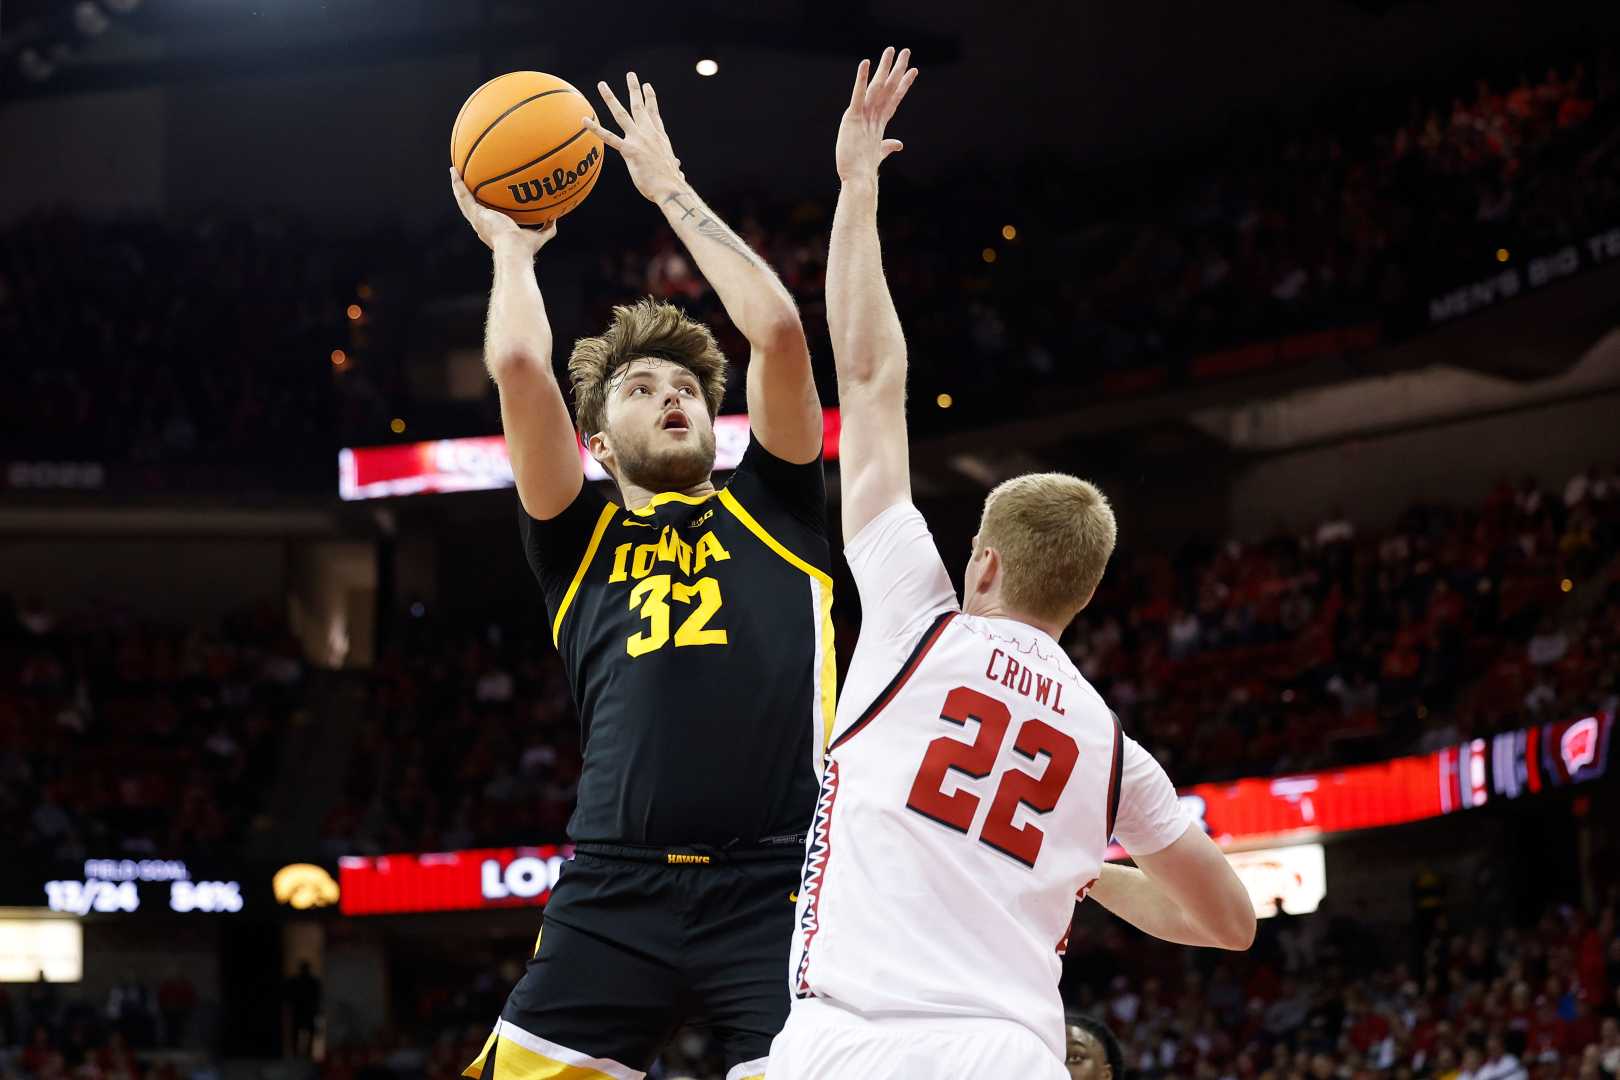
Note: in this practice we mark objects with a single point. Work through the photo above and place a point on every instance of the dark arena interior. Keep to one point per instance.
(1324, 295)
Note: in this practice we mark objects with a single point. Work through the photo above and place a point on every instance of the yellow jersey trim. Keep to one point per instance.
(602, 523)
(475, 1071)
(730, 502)
(672, 496)
(828, 676)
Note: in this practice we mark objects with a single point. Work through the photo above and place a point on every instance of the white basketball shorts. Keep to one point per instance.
(825, 1042)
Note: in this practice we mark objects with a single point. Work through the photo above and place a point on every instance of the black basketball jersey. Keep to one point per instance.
(697, 638)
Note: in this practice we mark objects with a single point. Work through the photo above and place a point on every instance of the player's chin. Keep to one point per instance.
(683, 463)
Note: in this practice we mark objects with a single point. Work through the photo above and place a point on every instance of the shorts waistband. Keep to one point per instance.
(768, 848)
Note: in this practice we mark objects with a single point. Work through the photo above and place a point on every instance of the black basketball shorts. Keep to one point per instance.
(639, 942)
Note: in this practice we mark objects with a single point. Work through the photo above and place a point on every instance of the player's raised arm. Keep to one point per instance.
(517, 350)
(869, 349)
(783, 409)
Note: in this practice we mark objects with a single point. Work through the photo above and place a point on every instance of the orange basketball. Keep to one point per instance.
(521, 149)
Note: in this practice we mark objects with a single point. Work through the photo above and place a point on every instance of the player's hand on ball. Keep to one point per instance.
(877, 94)
(494, 228)
(651, 160)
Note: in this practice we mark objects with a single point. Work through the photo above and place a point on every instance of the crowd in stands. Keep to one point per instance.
(1348, 222)
(1303, 650)
(1234, 659)
(1465, 996)
(150, 342)
(48, 1032)
(1291, 230)
(1474, 989)
(467, 739)
(212, 340)
(122, 737)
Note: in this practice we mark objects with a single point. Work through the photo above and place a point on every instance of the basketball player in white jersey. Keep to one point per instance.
(975, 777)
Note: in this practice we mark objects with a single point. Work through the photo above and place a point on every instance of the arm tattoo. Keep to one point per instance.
(711, 227)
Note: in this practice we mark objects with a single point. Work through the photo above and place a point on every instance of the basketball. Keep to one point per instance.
(521, 149)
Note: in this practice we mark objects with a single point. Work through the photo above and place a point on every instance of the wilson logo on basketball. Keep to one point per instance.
(559, 180)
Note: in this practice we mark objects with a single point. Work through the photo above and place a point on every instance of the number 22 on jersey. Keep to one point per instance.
(977, 759)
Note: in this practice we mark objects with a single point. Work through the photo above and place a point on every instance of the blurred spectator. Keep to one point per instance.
(177, 998)
(206, 343)
(124, 736)
(302, 998)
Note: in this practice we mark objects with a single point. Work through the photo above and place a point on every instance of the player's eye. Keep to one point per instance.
(639, 390)
(688, 391)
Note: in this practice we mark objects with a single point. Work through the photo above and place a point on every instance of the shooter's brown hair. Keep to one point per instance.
(646, 330)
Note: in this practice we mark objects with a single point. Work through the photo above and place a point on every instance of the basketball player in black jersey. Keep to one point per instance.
(695, 627)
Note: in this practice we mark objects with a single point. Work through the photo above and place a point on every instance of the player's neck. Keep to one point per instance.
(992, 608)
(635, 496)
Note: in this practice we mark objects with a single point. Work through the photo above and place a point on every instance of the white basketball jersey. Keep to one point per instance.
(968, 797)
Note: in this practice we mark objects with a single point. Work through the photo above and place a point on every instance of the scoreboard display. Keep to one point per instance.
(1511, 765)
(114, 886)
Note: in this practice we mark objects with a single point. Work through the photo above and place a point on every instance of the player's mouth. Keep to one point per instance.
(675, 420)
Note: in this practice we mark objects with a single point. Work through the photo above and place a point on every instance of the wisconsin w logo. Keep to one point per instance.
(558, 181)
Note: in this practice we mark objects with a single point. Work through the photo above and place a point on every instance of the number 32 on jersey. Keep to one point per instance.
(1039, 793)
(653, 594)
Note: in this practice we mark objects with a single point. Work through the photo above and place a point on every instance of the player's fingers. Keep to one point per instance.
(901, 64)
(607, 137)
(899, 93)
(614, 107)
(857, 96)
(633, 85)
(650, 97)
(884, 64)
(892, 146)
(464, 198)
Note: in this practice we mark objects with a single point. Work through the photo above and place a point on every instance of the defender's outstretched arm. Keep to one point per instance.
(869, 348)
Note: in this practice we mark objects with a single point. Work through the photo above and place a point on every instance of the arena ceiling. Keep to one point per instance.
(1104, 80)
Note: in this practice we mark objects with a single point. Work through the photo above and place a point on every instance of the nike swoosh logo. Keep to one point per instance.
(642, 524)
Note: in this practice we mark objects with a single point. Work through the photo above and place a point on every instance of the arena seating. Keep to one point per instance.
(124, 737)
(1323, 996)
(1292, 229)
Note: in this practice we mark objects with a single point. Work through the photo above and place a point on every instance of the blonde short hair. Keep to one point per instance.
(646, 330)
(1054, 533)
